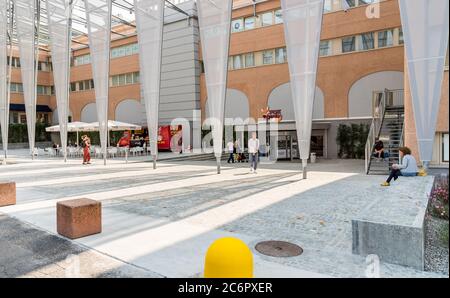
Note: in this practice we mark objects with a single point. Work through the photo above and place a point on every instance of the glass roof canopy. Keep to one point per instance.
(122, 13)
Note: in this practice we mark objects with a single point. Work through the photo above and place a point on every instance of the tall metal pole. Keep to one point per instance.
(69, 48)
(105, 151)
(8, 97)
(36, 44)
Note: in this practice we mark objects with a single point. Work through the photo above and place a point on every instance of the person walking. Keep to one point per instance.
(230, 147)
(253, 149)
(86, 144)
(408, 167)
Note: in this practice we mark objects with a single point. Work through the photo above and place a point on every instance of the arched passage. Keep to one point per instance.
(281, 99)
(361, 95)
(131, 111)
(236, 105)
(89, 113)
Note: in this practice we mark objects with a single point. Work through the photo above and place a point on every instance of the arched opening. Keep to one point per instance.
(236, 105)
(364, 91)
(281, 99)
(131, 111)
(89, 113)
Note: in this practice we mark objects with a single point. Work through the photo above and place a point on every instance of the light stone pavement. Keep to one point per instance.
(162, 221)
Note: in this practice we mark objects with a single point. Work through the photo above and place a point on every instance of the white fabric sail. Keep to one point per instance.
(215, 24)
(59, 26)
(26, 33)
(302, 27)
(150, 23)
(4, 103)
(425, 29)
(98, 15)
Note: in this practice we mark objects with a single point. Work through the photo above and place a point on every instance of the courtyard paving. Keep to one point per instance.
(161, 222)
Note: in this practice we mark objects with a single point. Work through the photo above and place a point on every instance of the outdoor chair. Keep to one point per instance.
(98, 152)
(112, 151)
(51, 152)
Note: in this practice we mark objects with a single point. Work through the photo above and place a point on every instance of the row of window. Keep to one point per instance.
(41, 90)
(124, 79)
(262, 20)
(274, 17)
(116, 80)
(21, 118)
(82, 85)
(362, 42)
(125, 50)
(42, 66)
(267, 57)
(348, 44)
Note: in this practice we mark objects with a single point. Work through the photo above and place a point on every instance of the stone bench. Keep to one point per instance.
(392, 227)
(79, 218)
(7, 193)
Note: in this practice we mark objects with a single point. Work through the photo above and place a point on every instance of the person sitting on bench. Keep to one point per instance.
(408, 167)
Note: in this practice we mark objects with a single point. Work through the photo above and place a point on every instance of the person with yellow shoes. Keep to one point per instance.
(408, 167)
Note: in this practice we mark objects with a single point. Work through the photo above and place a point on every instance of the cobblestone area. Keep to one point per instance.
(275, 204)
(29, 252)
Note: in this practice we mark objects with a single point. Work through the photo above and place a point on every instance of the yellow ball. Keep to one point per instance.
(229, 258)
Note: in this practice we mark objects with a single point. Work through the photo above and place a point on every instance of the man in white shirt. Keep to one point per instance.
(253, 148)
(230, 147)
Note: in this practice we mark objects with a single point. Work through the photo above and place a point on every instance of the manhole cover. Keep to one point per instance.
(279, 249)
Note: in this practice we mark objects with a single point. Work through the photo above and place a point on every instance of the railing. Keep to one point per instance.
(402, 142)
(375, 128)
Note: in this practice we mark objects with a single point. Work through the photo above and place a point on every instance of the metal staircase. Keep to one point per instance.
(388, 126)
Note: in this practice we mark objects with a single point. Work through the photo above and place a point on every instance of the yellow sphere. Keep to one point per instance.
(229, 258)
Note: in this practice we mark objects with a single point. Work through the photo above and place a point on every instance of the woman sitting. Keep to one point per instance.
(408, 168)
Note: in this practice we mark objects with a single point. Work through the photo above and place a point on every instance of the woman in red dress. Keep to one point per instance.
(86, 143)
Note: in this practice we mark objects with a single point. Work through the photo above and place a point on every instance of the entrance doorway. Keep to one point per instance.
(287, 147)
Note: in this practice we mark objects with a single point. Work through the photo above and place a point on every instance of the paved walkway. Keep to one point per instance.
(164, 220)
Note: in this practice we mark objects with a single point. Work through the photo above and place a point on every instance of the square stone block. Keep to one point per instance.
(7, 193)
(79, 218)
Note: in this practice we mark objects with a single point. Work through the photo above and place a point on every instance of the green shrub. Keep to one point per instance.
(18, 133)
(351, 140)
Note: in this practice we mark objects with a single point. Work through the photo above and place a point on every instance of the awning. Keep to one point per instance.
(18, 107)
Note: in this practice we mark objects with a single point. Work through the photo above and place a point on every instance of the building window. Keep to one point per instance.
(83, 59)
(125, 50)
(328, 6)
(16, 88)
(445, 147)
(73, 87)
(237, 62)
(124, 79)
(278, 16)
(400, 37)
(386, 38)
(237, 25)
(249, 60)
(15, 117)
(366, 42)
(348, 44)
(268, 57)
(22, 118)
(325, 48)
(250, 23)
(348, 4)
(280, 55)
(267, 19)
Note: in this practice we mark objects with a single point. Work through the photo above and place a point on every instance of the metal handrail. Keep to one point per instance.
(375, 128)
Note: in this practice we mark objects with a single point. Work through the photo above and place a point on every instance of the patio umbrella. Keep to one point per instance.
(113, 126)
(71, 127)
